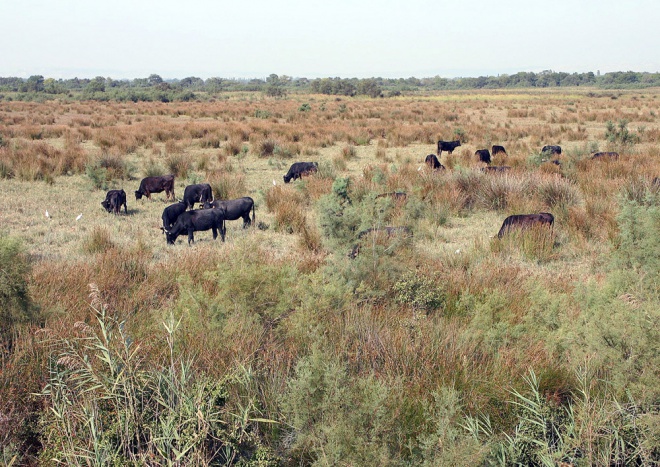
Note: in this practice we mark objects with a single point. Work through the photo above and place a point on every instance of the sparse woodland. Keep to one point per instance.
(448, 346)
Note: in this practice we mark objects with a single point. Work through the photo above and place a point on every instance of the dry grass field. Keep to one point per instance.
(440, 328)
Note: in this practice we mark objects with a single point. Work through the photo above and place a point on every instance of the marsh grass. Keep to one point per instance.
(398, 376)
(98, 241)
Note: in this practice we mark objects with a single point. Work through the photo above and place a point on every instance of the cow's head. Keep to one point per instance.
(106, 205)
(169, 237)
(138, 194)
(287, 179)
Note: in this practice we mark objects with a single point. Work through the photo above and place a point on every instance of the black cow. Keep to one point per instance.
(525, 220)
(394, 195)
(114, 199)
(157, 184)
(433, 162)
(614, 156)
(201, 193)
(496, 168)
(197, 221)
(235, 208)
(495, 150)
(484, 155)
(551, 150)
(171, 213)
(298, 169)
(389, 231)
(448, 146)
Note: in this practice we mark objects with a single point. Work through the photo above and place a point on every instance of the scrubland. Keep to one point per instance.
(447, 347)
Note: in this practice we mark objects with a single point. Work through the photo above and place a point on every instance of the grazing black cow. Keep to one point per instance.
(551, 150)
(157, 184)
(298, 169)
(526, 220)
(197, 221)
(114, 199)
(495, 150)
(448, 146)
(484, 155)
(394, 195)
(235, 208)
(388, 231)
(613, 156)
(433, 162)
(496, 168)
(200, 193)
(171, 213)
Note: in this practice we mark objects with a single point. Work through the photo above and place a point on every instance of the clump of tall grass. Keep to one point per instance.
(178, 164)
(288, 206)
(152, 168)
(348, 152)
(499, 192)
(558, 192)
(227, 184)
(98, 241)
(266, 147)
(233, 147)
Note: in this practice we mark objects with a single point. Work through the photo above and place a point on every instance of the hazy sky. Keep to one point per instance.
(345, 38)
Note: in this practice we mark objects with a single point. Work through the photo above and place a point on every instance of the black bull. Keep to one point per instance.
(298, 169)
(235, 209)
(156, 184)
(114, 200)
(448, 146)
(433, 162)
(526, 220)
(197, 221)
(200, 193)
(171, 213)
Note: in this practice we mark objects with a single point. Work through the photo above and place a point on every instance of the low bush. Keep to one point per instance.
(17, 307)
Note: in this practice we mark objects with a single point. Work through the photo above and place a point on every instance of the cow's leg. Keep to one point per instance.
(223, 231)
(215, 232)
(191, 238)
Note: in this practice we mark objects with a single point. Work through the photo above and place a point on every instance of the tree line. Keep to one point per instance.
(155, 88)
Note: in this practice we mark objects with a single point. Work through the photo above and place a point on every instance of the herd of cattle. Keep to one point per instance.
(181, 218)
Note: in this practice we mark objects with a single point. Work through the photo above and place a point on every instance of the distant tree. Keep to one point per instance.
(215, 85)
(370, 87)
(53, 87)
(154, 80)
(96, 85)
(35, 83)
(192, 82)
(275, 86)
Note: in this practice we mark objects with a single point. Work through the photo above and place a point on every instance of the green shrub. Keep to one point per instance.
(16, 305)
(619, 133)
(97, 175)
(421, 292)
(153, 169)
(336, 418)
